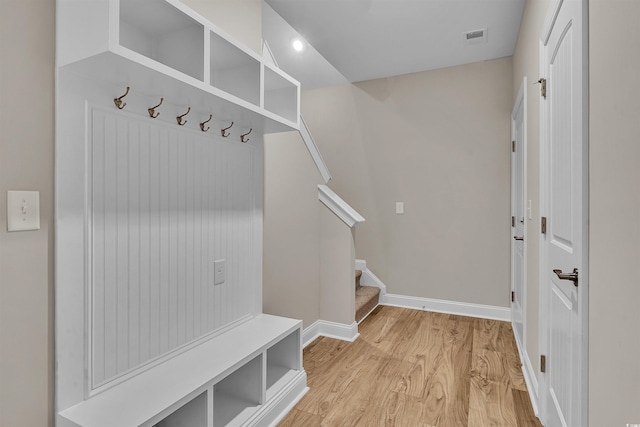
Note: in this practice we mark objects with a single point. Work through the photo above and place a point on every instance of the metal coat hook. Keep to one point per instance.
(244, 135)
(152, 110)
(179, 118)
(205, 122)
(224, 133)
(119, 102)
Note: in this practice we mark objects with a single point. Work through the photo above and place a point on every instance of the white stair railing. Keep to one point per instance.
(313, 150)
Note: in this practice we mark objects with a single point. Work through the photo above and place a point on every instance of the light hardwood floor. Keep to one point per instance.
(416, 369)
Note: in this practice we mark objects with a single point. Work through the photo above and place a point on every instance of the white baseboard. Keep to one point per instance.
(449, 307)
(272, 412)
(328, 329)
(529, 373)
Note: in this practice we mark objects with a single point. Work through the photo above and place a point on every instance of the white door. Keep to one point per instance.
(564, 197)
(518, 214)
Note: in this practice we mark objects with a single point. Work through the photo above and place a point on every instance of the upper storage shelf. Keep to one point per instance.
(157, 30)
(164, 49)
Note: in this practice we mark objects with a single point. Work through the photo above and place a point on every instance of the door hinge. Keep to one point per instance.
(543, 225)
(513, 146)
(543, 363)
(513, 221)
(543, 87)
(513, 296)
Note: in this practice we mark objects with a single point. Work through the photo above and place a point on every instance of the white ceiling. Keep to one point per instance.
(369, 39)
(310, 68)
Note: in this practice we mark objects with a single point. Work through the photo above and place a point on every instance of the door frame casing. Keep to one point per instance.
(531, 381)
(545, 194)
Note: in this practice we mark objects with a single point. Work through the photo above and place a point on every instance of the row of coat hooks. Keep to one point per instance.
(120, 104)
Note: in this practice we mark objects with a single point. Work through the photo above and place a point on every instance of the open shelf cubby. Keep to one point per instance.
(283, 362)
(192, 414)
(237, 397)
(280, 95)
(234, 70)
(163, 33)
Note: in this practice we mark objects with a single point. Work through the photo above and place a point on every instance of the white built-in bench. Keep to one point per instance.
(249, 375)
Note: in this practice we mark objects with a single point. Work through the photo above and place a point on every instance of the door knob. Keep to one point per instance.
(518, 238)
(568, 276)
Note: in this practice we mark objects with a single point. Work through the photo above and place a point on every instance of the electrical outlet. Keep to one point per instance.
(400, 208)
(219, 272)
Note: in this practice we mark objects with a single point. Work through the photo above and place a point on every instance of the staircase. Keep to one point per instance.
(367, 298)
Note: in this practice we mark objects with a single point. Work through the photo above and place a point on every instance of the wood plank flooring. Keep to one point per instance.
(416, 369)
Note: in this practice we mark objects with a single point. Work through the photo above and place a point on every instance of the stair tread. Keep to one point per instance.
(367, 291)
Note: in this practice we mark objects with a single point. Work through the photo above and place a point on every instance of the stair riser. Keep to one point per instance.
(367, 298)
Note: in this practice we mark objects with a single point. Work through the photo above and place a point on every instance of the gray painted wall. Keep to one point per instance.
(292, 227)
(27, 34)
(614, 132)
(439, 141)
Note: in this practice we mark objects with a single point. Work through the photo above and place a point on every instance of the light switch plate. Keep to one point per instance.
(23, 210)
(219, 272)
(400, 208)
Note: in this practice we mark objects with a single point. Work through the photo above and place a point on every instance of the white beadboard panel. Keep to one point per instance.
(165, 204)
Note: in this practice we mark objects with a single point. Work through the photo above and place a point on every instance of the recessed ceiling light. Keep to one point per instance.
(297, 45)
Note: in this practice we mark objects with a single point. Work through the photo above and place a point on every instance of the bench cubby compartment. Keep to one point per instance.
(237, 397)
(192, 414)
(222, 379)
(284, 360)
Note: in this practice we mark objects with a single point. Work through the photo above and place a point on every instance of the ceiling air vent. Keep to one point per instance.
(475, 36)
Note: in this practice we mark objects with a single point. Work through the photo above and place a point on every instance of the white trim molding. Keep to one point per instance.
(314, 151)
(520, 104)
(530, 379)
(338, 206)
(449, 307)
(324, 328)
(529, 373)
(282, 403)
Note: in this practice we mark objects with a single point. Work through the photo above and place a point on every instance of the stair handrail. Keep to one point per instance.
(314, 151)
(338, 206)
